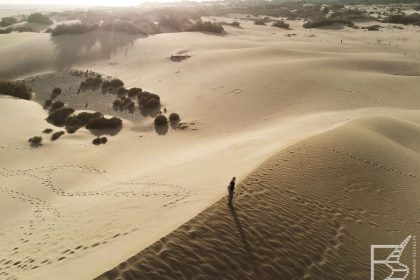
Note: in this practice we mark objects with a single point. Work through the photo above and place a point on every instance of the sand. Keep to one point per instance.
(315, 130)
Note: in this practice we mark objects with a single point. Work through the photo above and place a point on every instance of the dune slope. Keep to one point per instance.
(309, 212)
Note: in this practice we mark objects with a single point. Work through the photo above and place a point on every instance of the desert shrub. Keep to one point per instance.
(148, 100)
(77, 28)
(172, 21)
(56, 92)
(161, 120)
(122, 91)
(174, 119)
(35, 141)
(123, 26)
(233, 24)
(57, 135)
(326, 22)
(373, 27)
(348, 14)
(39, 18)
(56, 105)
(116, 83)
(260, 22)
(47, 104)
(59, 116)
(281, 24)
(6, 31)
(16, 88)
(134, 92)
(92, 83)
(99, 140)
(6, 21)
(413, 19)
(106, 86)
(116, 104)
(207, 26)
(85, 117)
(47, 130)
(73, 123)
(102, 123)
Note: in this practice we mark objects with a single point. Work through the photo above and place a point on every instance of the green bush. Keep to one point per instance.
(17, 89)
(59, 116)
(39, 18)
(73, 123)
(123, 26)
(57, 135)
(161, 120)
(47, 130)
(6, 21)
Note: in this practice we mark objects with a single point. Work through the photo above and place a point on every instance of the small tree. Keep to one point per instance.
(56, 92)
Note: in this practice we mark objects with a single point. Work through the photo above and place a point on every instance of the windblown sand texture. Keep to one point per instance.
(322, 135)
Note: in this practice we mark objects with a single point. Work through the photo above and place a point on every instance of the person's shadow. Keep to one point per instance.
(244, 239)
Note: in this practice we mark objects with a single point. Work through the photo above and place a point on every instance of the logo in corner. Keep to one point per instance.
(398, 270)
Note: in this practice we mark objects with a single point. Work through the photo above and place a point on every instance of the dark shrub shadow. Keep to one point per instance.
(100, 44)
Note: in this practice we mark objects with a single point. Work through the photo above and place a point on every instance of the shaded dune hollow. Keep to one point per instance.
(310, 212)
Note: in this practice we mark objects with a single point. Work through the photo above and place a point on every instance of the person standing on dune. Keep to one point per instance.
(231, 189)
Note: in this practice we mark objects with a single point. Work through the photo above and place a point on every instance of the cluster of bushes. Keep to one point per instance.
(39, 18)
(77, 28)
(174, 22)
(281, 24)
(102, 123)
(6, 21)
(413, 19)
(92, 83)
(99, 140)
(233, 24)
(59, 116)
(260, 22)
(17, 89)
(207, 26)
(35, 141)
(148, 101)
(112, 85)
(326, 22)
(123, 104)
(134, 92)
(161, 120)
(6, 31)
(49, 102)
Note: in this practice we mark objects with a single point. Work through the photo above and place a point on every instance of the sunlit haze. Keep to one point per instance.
(76, 2)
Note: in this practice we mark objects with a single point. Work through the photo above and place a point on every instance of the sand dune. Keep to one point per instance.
(309, 212)
(71, 210)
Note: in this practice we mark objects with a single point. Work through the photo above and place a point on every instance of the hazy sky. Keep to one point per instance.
(78, 2)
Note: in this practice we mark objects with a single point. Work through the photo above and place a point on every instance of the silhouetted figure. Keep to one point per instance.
(231, 189)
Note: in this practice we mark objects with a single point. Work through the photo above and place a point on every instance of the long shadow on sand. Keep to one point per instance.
(244, 239)
(97, 45)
